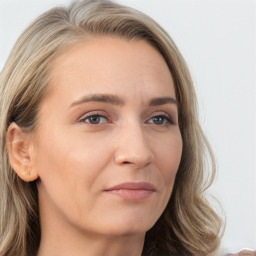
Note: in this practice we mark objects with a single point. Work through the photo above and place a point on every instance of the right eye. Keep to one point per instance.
(94, 119)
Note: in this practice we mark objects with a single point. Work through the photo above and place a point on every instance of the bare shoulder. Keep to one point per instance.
(244, 252)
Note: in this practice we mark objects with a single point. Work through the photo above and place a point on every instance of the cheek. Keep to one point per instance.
(69, 168)
(168, 156)
(75, 159)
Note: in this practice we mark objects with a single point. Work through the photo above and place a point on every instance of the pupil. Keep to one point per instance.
(94, 119)
(158, 120)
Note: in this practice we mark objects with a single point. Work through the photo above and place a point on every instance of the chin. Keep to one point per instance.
(130, 226)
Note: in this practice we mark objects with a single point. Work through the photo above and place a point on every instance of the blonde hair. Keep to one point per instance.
(188, 226)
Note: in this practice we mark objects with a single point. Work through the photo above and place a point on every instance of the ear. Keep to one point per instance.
(21, 152)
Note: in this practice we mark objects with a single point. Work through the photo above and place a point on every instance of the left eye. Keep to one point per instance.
(95, 119)
(160, 120)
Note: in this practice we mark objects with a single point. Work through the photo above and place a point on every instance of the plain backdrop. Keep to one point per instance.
(218, 41)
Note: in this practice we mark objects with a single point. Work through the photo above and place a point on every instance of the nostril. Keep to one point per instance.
(126, 162)
(128, 158)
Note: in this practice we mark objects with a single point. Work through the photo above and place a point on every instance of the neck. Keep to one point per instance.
(59, 240)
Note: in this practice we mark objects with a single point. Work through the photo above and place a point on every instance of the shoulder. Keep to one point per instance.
(244, 252)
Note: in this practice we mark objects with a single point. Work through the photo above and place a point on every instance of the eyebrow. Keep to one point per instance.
(115, 100)
(162, 101)
(106, 98)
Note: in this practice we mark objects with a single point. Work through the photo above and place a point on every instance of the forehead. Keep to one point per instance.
(111, 64)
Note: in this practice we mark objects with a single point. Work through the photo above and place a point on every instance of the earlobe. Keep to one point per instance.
(20, 156)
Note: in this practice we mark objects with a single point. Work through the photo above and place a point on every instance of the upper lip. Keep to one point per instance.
(133, 186)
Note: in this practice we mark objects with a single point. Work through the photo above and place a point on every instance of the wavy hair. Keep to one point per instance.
(188, 225)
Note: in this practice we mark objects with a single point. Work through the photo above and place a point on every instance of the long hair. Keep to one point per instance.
(188, 225)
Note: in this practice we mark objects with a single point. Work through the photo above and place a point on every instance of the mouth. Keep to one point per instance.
(132, 190)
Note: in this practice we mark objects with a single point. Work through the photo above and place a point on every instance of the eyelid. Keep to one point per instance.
(167, 120)
(170, 118)
(93, 113)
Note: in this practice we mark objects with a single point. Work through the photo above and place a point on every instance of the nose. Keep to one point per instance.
(132, 147)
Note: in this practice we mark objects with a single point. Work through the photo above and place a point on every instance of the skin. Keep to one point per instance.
(244, 252)
(78, 158)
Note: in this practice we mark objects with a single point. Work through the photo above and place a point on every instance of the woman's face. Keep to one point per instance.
(108, 144)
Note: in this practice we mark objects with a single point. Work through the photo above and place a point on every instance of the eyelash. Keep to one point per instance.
(167, 119)
(94, 115)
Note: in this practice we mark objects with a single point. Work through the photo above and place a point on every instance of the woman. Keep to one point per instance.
(101, 150)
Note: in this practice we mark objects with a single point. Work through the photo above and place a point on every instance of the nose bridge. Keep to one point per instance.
(133, 148)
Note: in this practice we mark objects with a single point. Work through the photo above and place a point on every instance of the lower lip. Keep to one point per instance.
(131, 194)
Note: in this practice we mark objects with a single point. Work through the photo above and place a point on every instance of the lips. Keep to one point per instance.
(132, 190)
